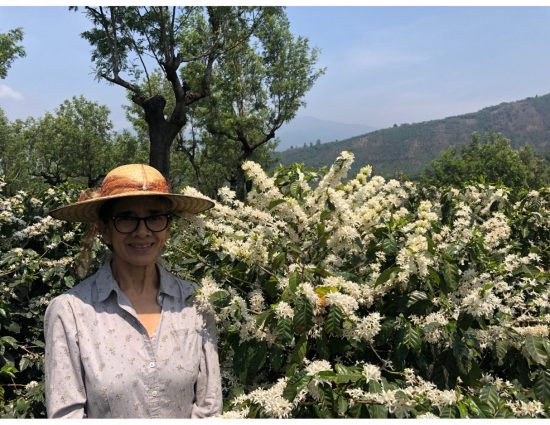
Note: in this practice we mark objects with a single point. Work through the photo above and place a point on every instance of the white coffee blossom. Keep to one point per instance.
(371, 372)
(283, 310)
(368, 327)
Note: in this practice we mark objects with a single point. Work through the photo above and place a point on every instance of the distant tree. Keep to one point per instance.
(10, 49)
(129, 42)
(489, 159)
(75, 142)
(318, 142)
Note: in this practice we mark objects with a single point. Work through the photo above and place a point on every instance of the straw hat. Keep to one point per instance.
(128, 181)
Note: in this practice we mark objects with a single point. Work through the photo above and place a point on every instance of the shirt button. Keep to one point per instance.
(154, 393)
(152, 364)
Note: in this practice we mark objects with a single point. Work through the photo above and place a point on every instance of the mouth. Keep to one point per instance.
(141, 247)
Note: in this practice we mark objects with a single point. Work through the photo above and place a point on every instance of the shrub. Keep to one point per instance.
(373, 298)
(365, 298)
(37, 257)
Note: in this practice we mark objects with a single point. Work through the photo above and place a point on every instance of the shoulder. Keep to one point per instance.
(175, 286)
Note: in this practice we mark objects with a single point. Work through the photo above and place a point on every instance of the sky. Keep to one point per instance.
(384, 65)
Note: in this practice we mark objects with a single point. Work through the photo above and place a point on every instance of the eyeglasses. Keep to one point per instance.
(129, 224)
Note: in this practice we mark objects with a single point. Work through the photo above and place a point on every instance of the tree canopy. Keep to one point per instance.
(75, 142)
(488, 158)
(129, 42)
(10, 49)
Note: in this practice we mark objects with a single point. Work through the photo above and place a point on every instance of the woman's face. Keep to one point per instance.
(141, 247)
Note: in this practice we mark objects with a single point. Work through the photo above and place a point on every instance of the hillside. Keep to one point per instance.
(307, 130)
(409, 147)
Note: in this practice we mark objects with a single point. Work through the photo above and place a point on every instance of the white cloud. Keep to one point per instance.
(8, 92)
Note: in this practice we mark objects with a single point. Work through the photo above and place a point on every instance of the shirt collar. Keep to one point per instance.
(107, 283)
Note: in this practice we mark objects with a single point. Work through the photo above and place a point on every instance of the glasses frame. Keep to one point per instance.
(139, 220)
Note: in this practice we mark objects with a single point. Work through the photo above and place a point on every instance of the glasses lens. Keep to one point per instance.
(129, 224)
(156, 223)
(126, 224)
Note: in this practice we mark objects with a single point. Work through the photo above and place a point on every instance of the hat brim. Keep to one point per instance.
(88, 211)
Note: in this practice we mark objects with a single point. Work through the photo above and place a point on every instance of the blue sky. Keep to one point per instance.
(385, 65)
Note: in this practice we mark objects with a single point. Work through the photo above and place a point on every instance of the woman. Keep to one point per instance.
(127, 342)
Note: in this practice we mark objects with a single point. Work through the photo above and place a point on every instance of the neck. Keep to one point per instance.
(136, 279)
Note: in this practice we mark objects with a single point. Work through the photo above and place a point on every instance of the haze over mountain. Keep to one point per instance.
(410, 147)
(306, 130)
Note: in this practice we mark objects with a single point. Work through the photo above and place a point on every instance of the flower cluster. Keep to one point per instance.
(346, 286)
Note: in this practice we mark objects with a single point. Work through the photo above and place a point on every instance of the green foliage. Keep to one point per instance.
(489, 159)
(74, 144)
(409, 148)
(426, 310)
(256, 86)
(365, 299)
(10, 49)
(133, 46)
(38, 257)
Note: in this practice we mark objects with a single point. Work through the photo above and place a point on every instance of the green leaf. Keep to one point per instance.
(274, 203)
(387, 274)
(377, 411)
(14, 327)
(447, 412)
(342, 406)
(278, 261)
(534, 349)
(219, 299)
(415, 297)
(501, 349)
(489, 396)
(293, 281)
(8, 370)
(295, 385)
(298, 354)
(293, 190)
(24, 363)
(413, 338)
(249, 358)
(542, 385)
(340, 378)
(9, 340)
(333, 323)
(284, 330)
(263, 317)
(303, 316)
(450, 275)
(389, 246)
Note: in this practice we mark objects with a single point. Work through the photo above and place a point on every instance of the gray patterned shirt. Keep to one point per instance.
(100, 362)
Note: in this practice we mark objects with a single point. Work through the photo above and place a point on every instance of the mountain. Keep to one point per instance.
(309, 129)
(410, 147)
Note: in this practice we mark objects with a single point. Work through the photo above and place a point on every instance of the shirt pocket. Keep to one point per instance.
(186, 350)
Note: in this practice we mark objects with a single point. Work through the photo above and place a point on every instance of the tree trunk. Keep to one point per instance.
(161, 133)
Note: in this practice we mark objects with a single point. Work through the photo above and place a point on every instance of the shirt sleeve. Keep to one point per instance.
(64, 376)
(208, 389)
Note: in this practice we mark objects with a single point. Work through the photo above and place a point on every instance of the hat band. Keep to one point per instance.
(121, 186)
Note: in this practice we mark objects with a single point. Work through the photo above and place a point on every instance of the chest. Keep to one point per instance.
(118, 355)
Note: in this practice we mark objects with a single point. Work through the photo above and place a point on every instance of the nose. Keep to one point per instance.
(142, 229)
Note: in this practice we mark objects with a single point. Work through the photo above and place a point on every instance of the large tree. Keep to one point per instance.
(255, 88)
(10, 49)
(129, 42)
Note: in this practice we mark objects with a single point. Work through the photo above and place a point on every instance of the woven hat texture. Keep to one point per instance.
(131, 180)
